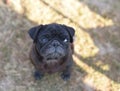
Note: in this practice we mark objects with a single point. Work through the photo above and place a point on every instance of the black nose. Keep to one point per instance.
(55, 43)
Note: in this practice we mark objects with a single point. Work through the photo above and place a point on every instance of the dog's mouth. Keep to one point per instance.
(54, 53)
(54, 56)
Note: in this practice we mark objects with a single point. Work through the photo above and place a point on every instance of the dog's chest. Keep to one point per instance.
(53, 66)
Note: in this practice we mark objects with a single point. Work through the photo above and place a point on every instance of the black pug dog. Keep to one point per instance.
(52, 49)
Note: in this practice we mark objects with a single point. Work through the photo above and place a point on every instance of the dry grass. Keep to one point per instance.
(97, 44)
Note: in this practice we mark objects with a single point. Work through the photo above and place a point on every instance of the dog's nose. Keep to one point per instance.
(55, 43)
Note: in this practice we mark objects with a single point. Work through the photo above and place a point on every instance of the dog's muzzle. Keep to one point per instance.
(54, 51)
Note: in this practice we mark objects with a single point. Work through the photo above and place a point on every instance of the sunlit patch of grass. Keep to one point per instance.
(84, 45)
(103, 66)
(114, 86)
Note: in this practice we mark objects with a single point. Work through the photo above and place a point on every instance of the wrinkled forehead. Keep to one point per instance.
(54, 29)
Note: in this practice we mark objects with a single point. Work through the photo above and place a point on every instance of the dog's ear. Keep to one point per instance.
(33, 32)
(71, 32)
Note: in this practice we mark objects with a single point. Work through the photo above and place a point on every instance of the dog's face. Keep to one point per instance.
(52, 41)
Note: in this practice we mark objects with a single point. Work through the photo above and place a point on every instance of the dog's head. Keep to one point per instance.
(52, 40)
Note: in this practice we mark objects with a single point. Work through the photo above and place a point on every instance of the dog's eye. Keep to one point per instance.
(44, 40)
(65, 40)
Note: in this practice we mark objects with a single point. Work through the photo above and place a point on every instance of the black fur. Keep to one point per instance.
(52, 49)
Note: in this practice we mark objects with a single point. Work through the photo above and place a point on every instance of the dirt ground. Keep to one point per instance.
(97, 44)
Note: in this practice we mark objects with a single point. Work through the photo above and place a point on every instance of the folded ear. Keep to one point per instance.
(33, 32)
(71, 32)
